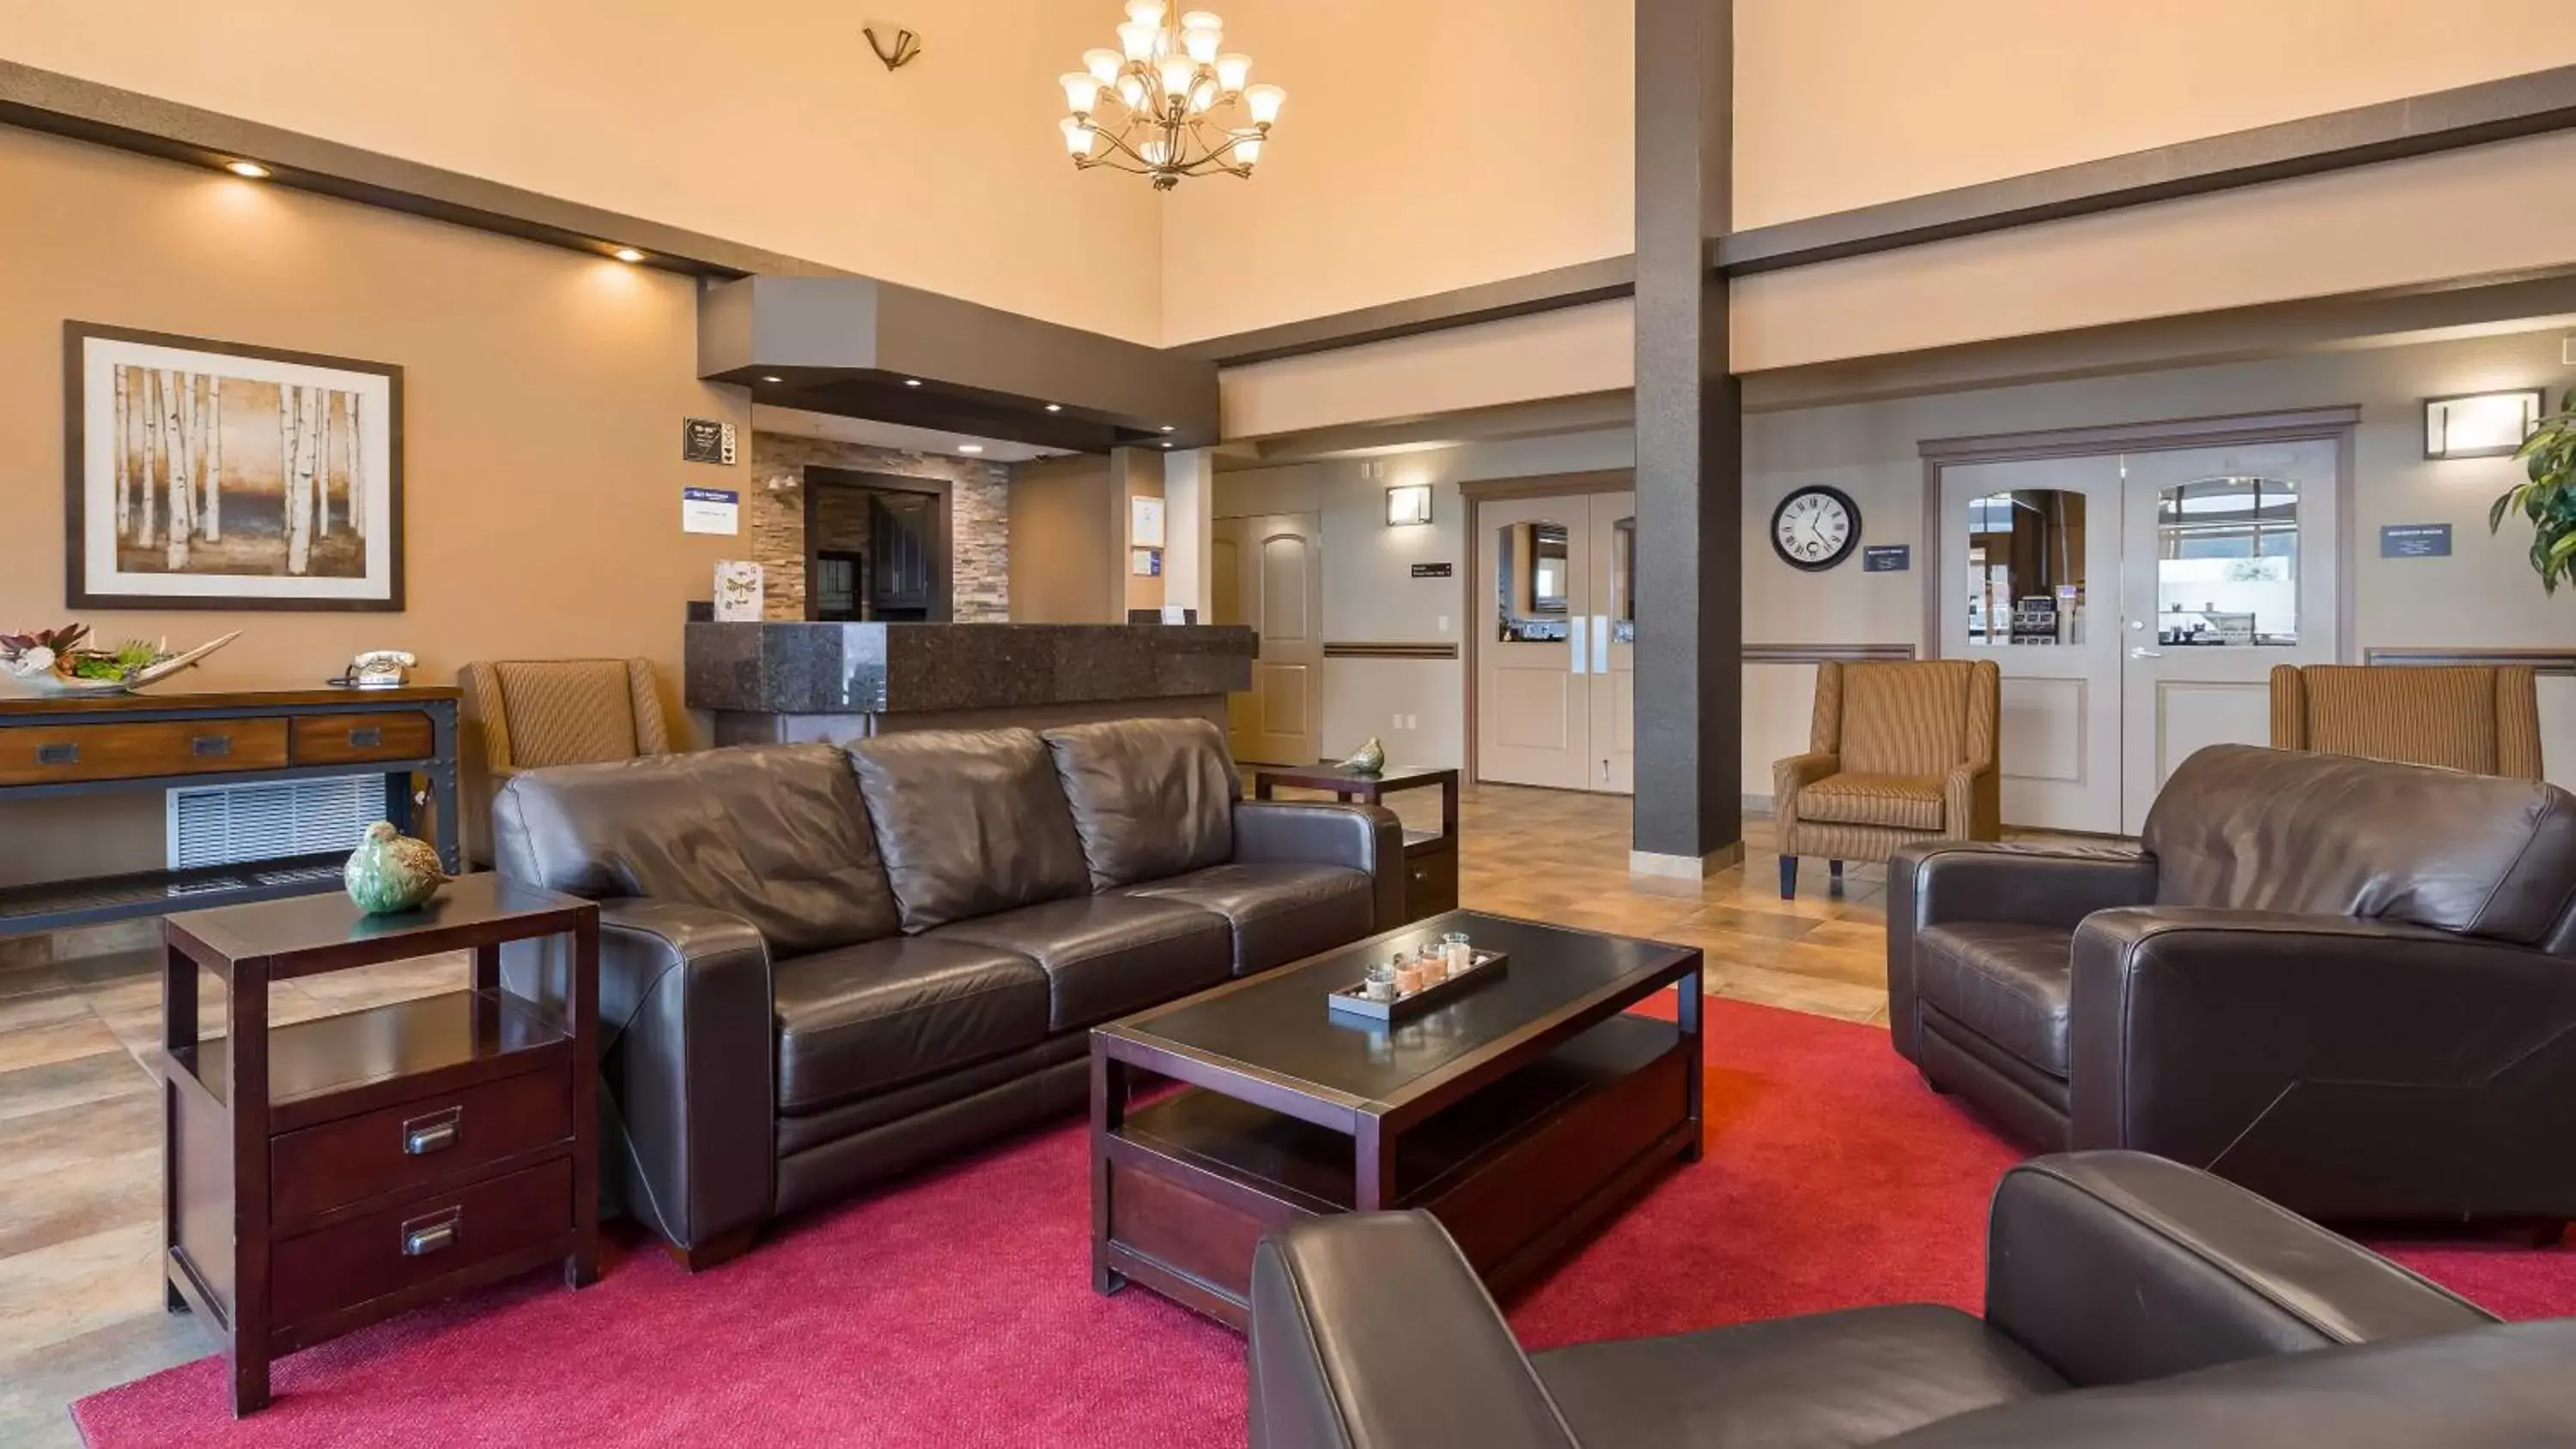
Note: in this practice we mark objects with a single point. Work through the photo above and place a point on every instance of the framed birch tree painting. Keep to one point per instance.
(209, 475)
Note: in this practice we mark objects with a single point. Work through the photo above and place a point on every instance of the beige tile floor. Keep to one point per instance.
(80, 1021)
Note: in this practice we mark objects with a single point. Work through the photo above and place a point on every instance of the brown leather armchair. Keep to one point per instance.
(2475, 718)
(1898, 752)
(537, 713)
(2344, 983)
(2130, 1304)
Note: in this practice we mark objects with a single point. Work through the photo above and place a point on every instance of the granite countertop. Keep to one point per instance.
(801, 668)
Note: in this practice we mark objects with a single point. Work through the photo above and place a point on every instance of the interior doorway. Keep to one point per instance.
(1268, 572)
(1555, 619)
(876, 547)
(2136, 598)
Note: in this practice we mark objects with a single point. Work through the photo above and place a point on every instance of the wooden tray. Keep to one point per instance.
(1348, 1002)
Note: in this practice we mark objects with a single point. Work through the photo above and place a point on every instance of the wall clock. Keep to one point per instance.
(1815, 528)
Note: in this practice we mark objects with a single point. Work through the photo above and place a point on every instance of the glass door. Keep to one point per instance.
(1534, 681)
(1613, 652)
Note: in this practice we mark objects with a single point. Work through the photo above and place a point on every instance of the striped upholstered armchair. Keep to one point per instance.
(536, 713)
(1899, 752)
(2484, 720)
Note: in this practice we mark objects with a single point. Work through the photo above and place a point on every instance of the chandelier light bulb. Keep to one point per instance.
(1202, 20)
(1146, 12)
(1203, 43)
(1202, 96)
(1131, 90)
(1264, 103)
(1137, 39)
(1081, 91)
(1247, 147)
(1077, 137)
(1177, 74)
(1104, 65)
(1231, 68)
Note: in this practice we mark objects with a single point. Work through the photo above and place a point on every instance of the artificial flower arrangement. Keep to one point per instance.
(57, 661)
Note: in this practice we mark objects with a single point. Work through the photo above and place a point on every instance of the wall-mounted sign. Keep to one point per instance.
(738, 592)
(1145, 522)
(1431, 571)
(1887, 558)
(710, 510)
(706, 440)
(2415, 540)
(1145, 563)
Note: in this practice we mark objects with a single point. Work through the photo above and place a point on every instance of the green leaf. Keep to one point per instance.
(2495, 514)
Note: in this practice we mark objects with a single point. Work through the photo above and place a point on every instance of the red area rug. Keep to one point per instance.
(957, 1309)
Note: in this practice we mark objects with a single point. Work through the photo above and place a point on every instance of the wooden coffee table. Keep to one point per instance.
(1521, 1115)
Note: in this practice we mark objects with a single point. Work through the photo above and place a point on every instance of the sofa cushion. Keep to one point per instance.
(866, 1018)
(2241, 828)
(1824, 1381)
(1150, 797)
(1105, 956)
(774, 834)
(2007, 983)
(1280, 912)
(969, 822)
(1897, 801)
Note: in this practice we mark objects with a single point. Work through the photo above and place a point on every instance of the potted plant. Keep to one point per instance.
(2548, 498)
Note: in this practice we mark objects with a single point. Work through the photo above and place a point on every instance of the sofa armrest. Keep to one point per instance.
(1369, 1331)
(1366, 838)
(687, 1030)
(2189, 1027)
(1957, 880)
(2116, 1267)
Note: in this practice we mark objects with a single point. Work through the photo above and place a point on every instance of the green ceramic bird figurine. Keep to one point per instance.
(1370, 759)
(392, 872)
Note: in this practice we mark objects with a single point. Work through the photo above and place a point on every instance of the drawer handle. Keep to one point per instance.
(57, 754)
(366, 739)
(433, 1133)
(211, 745)
(427, 1235)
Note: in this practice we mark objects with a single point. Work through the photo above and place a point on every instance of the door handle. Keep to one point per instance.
(1575, 634)
(2143, 652)
(1600, 643)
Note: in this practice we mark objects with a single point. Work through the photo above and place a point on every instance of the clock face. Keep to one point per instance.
(1815, 528)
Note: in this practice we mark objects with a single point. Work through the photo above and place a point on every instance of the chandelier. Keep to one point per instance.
(1169, 102)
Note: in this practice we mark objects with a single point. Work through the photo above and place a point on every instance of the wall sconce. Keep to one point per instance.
(899, 52)
(1408, 503)
(2480, 424)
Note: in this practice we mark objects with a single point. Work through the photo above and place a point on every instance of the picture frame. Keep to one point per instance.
(288, 482)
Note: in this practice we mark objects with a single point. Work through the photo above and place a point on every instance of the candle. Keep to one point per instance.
(1456, 952)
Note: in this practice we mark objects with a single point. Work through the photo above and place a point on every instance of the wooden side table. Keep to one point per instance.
(1430, 861)
(323, 1175)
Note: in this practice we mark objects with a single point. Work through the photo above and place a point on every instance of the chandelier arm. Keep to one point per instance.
(1121, 147)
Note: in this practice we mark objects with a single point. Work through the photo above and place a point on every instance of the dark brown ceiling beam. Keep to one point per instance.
(1573, 286)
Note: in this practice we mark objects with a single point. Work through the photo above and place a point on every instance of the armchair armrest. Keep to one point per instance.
(1370, 1331)
(2401, 1061)
(687, 1029)
(2117, 1267)
(1366, 838)
(1939, 881)
(1794, 774)
(1972, 802)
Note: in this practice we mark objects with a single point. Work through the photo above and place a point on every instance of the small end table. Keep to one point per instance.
(322, 1175)
(1430, 861)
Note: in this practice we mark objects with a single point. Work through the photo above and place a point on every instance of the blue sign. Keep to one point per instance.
(2415, 540)
(1887, 558)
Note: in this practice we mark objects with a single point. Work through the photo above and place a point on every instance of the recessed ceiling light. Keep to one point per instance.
(1055, 407)
(970, 447)
(1167, 445)
(773, 379)
(627, 254)
(251, 169)
(1167, 427)
(912, 382)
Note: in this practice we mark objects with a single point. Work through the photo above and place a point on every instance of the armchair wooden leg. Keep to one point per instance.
(1788, 877)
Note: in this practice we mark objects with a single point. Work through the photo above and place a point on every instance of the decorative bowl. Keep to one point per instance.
(46, 662)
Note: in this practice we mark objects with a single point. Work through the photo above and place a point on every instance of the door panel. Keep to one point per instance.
(1269, 572)
(1614, 643)
(2230, 562)
(1533, 676)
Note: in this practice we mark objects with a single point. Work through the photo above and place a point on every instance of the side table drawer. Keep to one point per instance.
(44, 754)
(1430, 878)
(428, 1139)
(339, 739)
(429, 1237)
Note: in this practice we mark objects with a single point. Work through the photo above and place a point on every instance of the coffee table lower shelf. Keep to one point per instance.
(1518, 1171)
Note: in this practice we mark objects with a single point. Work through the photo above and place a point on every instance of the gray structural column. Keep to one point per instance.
(1690, 461)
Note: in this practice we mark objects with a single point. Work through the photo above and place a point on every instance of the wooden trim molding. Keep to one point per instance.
(1548, 485)
(2560, 663)
(2149, 437)
(1573, 286)
(1826, 653)
(1360, 649)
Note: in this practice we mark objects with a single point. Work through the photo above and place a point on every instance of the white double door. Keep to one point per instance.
(2136, 604)
(1556, 621)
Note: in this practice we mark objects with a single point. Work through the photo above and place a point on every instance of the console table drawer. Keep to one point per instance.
(337, 739)
(429, 1139)
(429, 1237)
(41, 754)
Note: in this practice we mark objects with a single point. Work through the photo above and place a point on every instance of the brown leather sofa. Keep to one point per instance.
(818, 968)
(2129, 1303)
(2344, 983)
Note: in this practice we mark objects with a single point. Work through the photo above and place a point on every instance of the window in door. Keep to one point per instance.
(2026, 580)
(1530, 563)
(2227, 563)
(1623, 581)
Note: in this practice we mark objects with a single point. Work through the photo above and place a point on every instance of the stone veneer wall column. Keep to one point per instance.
(978, 523)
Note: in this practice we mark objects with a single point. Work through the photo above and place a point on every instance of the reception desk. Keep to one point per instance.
(791, 681)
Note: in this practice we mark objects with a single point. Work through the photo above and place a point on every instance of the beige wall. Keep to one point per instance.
(1565, 353)
(1066, 529)
(543, 394)
(770, 124)
(1844, 103)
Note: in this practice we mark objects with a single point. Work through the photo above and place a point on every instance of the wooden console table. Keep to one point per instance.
(150, 742)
